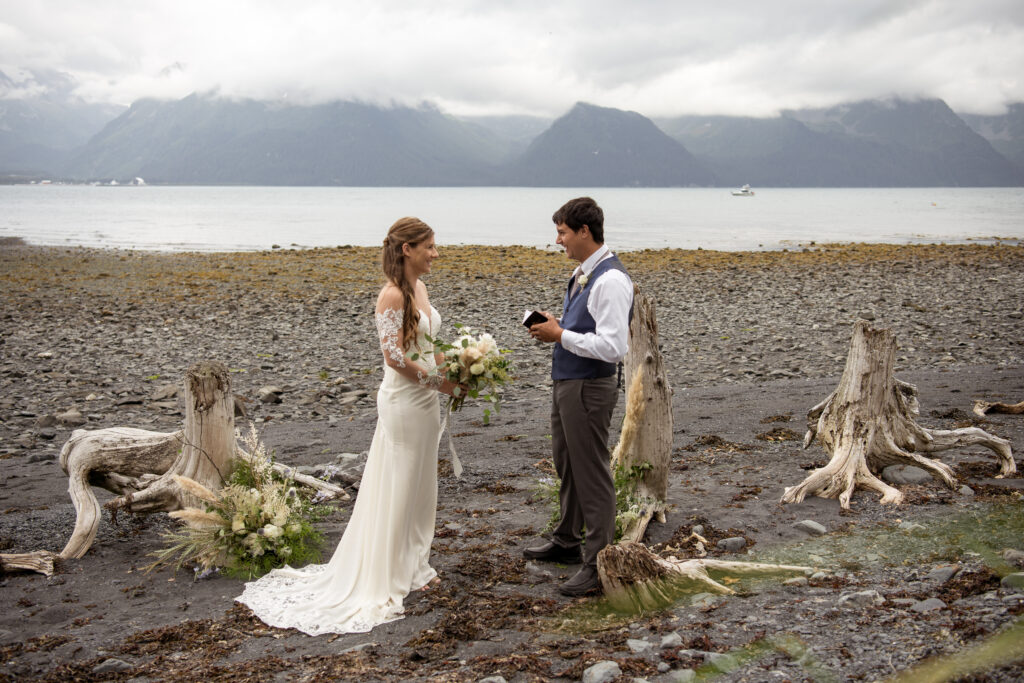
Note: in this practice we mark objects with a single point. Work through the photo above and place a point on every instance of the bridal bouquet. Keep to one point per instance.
(473, 361)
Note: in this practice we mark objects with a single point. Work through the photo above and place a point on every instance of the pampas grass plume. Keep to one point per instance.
(195, 488)
(197, 518)
(634, 415)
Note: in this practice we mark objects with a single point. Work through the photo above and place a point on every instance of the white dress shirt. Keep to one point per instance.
(610, 299)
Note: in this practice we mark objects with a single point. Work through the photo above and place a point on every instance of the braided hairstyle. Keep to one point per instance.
(409, 231)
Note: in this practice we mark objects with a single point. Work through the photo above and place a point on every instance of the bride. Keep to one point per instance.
(385, 550)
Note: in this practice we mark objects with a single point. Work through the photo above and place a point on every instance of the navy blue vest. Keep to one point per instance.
(576, 317)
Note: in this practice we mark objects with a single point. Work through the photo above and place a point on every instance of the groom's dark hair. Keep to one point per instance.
(581, 211)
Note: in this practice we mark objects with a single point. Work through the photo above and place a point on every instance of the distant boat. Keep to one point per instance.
(744, 191)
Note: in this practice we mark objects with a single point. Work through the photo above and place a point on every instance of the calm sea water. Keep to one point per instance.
(253, 218)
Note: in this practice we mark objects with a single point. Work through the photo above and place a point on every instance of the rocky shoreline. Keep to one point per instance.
(95, 338)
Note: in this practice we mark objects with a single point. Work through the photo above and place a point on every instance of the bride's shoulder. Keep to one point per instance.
(390, 297)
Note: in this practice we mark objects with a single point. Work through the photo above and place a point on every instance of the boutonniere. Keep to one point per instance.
(583, 279)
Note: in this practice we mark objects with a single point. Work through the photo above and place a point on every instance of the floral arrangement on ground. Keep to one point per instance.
(628, 505)
(257, 522)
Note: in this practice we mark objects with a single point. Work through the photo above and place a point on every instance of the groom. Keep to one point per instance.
(589, 342)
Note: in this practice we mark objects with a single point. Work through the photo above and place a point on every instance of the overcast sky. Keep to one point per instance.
(530, 57)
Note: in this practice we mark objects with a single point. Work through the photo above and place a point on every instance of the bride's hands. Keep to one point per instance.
(449, 388)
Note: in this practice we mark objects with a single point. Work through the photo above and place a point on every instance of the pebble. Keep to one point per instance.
(111, 665)
(492, 679)
(733, 544)
(905, 474)
(270, 394)
(942, 574)
(721, 661)
(811, 527)
(670, 640)
(163, 393)
(682, 675)
(868, 598)
(602, 672)
(704, 600)
(358, 648)
(638, 645)
(46, 421)
(1013, 581)
(71, 418)
(929, 605)
(537, 574)
(1014, 557)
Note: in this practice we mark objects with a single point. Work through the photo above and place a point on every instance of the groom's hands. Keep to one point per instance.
(547, 331)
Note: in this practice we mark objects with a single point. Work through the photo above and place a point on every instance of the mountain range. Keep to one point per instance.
(204, 139)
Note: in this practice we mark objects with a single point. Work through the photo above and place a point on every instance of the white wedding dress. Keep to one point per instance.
(385, 550)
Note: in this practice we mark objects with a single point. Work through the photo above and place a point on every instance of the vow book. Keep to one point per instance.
(533, 317)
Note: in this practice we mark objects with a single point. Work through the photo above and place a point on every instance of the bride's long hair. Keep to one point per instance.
(409, 231)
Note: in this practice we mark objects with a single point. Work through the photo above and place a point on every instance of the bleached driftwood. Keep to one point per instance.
(868, 423)
(646, 437)
(119, 459)
(982, 408)
(286, 471)
(634, 577)
(140, 466)
(38, 561)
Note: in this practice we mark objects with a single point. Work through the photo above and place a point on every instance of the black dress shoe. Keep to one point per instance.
(585, 582)
(552, 552)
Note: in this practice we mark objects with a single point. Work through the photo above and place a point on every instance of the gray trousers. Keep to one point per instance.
(581, 412)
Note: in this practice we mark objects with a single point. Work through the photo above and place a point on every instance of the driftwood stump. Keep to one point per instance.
(868, 423)
(140, 465)
(646, 437)
(635, 578)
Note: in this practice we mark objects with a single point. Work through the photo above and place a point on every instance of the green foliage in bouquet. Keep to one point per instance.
(475, 362)
(258, 521)
(628, 506)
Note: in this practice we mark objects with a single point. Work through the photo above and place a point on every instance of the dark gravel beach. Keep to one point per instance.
(751, 341)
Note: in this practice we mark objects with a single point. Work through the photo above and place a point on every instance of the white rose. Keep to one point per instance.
(477, 368)
(271, 531)
(487, 344)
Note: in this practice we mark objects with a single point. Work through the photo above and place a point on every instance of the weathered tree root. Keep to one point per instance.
(123, 460)
(634, 577)
(142, 466)
(982, 408)
(37, 561)
(868, 423)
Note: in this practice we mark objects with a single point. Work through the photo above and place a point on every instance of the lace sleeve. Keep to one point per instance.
(389, 323)
(430, 379)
